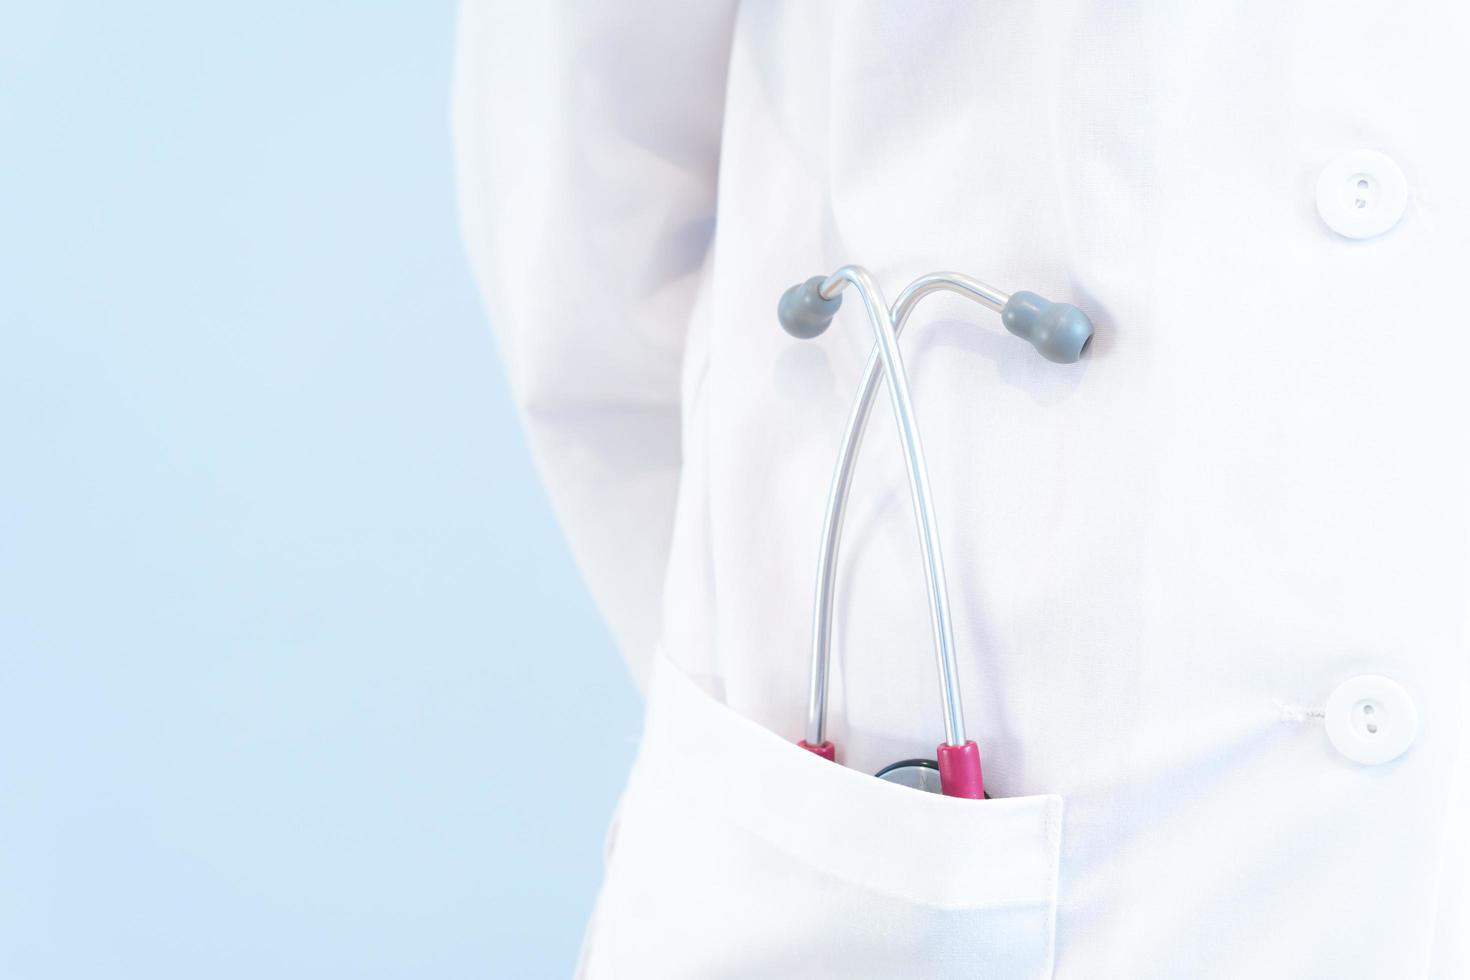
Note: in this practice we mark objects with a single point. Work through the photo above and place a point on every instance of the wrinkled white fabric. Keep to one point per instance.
(1162, 560)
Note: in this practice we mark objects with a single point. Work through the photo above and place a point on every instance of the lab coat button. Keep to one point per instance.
(1362, 193)
(1371, 719)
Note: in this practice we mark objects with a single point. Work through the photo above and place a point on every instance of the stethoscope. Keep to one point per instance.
(1061, 333)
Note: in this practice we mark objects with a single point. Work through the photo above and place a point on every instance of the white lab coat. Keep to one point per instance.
(1184, 572)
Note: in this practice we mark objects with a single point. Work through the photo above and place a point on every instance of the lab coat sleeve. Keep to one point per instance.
(587, 139)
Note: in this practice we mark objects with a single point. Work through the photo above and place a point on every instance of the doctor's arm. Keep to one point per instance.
(587, 140)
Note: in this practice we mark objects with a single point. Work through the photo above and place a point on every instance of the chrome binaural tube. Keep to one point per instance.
(885, 357)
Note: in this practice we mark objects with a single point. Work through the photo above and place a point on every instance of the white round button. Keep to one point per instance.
(1371, 719)
(1361, 194)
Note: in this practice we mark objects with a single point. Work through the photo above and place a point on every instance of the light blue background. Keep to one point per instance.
(290, 645)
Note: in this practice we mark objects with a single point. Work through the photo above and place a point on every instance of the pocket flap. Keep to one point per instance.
(923, 847)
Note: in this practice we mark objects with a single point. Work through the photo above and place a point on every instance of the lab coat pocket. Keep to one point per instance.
(740, 855)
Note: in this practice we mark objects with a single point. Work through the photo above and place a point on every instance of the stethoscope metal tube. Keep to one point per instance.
(836, 510)
(887, 355)
(1060, 332)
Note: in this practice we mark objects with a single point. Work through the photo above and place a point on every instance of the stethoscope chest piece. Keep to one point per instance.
(922, 774)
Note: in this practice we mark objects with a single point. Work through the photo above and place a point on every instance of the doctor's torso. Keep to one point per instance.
(1163, 559)
(1173, 566)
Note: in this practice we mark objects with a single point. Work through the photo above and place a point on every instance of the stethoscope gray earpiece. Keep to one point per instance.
(1059, 331)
